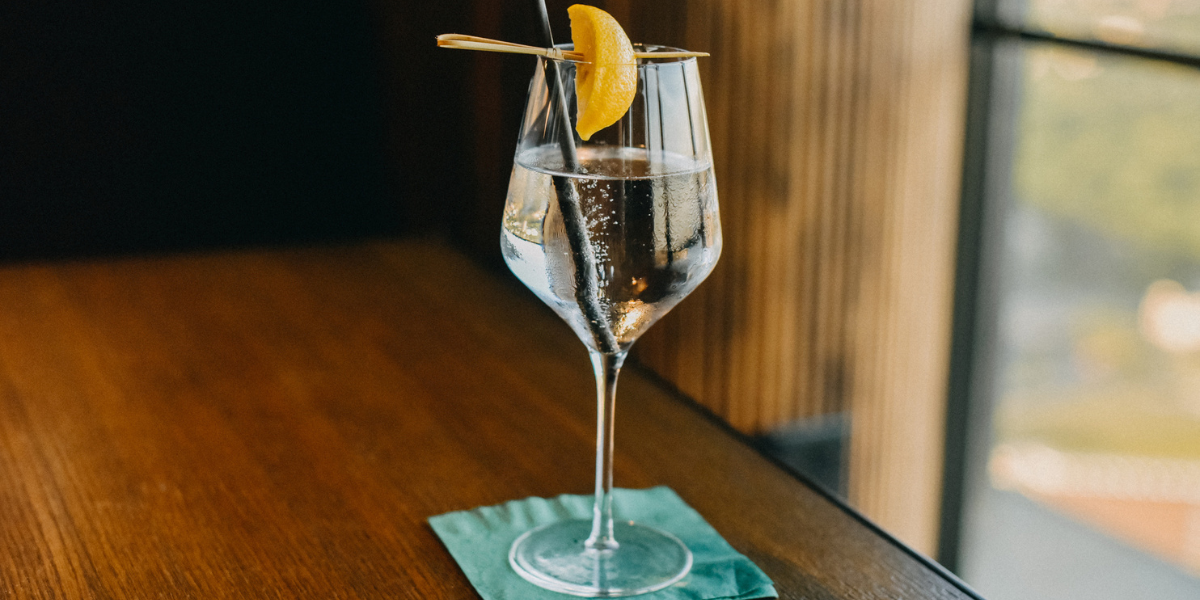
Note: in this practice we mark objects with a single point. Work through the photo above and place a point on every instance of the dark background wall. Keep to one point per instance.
(131, 126)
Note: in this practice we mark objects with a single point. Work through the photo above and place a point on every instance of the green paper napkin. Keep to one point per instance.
(479, 540)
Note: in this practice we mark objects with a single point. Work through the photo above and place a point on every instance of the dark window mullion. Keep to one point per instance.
(983, 28)
(987, 174)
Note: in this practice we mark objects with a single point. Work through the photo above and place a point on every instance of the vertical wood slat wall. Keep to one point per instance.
(837, 128)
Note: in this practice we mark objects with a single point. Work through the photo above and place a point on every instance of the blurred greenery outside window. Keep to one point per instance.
(1095, 384)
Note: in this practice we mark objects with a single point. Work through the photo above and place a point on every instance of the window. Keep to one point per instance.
(1077, 364)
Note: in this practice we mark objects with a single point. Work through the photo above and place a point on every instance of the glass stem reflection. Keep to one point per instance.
(607, 367)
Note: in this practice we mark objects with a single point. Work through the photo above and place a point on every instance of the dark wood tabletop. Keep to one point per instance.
(280, 424)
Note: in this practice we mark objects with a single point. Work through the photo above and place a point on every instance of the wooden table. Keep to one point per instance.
(279, 424)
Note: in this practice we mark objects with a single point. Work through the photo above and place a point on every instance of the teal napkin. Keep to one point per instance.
(479, 540)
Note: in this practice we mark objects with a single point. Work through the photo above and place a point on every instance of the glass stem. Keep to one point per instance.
(607, 367)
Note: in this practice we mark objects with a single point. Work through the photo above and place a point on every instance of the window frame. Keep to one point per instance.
(988, 153)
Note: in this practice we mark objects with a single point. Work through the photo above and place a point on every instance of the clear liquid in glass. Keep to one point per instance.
(651, 221)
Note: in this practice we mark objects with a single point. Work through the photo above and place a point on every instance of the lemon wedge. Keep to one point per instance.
(606, 81)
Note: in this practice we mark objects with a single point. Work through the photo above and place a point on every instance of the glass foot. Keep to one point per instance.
(553, 557)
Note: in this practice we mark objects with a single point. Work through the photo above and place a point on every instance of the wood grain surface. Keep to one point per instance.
(279, 424)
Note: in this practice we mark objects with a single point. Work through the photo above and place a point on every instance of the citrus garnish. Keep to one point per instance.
(606, 81)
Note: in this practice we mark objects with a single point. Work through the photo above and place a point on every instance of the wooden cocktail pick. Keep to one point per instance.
(472, 42)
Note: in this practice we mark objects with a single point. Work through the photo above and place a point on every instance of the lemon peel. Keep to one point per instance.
(606, 81)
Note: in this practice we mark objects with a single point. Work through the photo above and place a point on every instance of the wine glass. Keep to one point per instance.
(610, 233)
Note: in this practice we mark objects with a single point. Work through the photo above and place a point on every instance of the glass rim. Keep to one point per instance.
(642, 62)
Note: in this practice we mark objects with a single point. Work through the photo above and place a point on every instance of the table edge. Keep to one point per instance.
(823, 491)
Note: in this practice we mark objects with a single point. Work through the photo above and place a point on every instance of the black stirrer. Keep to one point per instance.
(586, 293)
